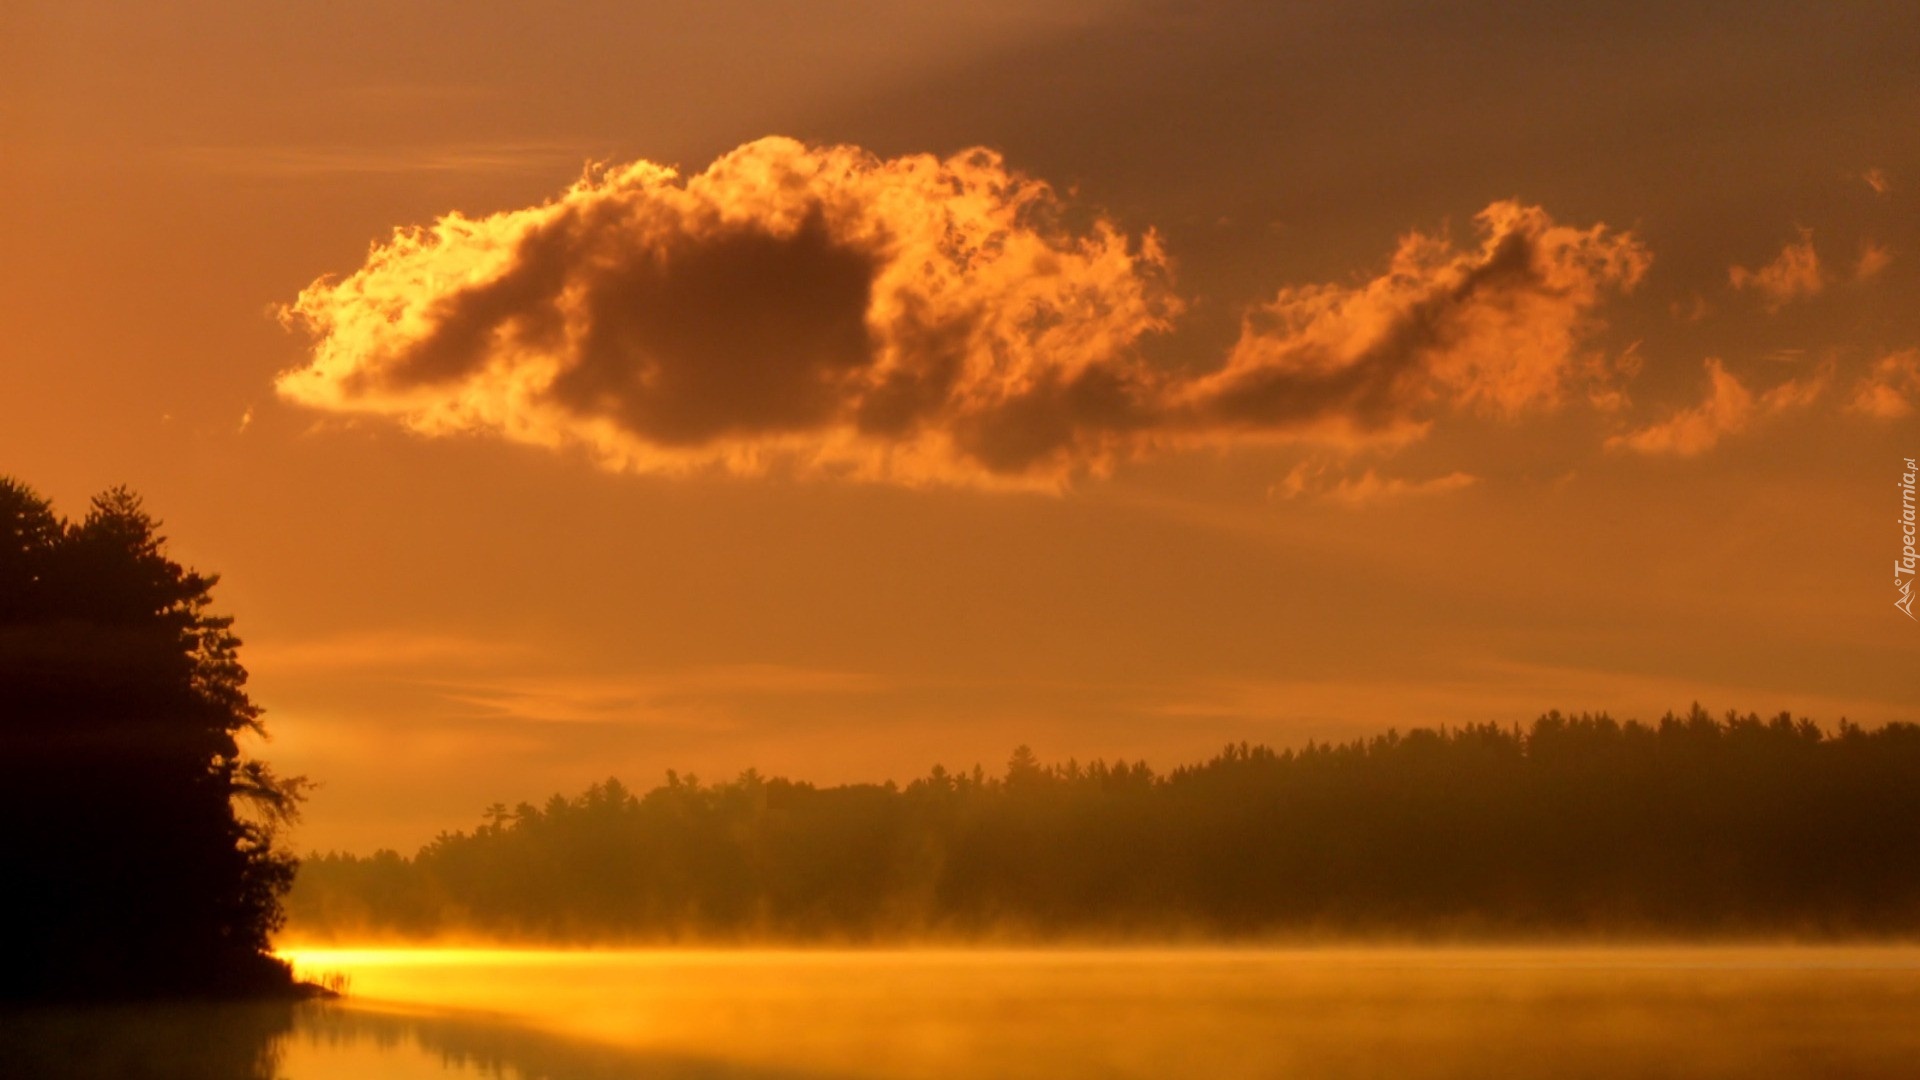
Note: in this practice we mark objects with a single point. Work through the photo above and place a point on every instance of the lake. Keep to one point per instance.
(1747, 1012)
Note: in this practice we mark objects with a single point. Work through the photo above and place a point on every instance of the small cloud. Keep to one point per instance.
(1728, 409)
(1874, 258)
(1878, 180)
(1796, 393)
(1890, 387)
(1690, 310)
(1794, 274)
(1609, 399)
(1607, 378)
(246, 420)
(1311, 480)
(1496, 328)
(714, 696)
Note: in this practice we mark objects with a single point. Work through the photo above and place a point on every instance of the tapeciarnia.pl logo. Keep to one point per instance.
(1903, 566)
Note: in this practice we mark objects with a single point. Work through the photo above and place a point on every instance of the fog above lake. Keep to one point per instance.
(1322, 1012)
(1747, 1012)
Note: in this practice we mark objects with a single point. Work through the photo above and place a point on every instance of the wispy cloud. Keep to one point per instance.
(706, 697)
(379, 650)
(1890, 387)
(294, 161)
(1794, 274)
(1874, 259)
(1728, 409)
(1317, 480)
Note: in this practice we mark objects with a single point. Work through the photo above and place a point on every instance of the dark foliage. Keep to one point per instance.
(1575, 825)
(130, 871)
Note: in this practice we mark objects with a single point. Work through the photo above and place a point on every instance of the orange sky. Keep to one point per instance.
(1282, 371)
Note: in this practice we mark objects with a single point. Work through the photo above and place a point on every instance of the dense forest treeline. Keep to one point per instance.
(1575, 824)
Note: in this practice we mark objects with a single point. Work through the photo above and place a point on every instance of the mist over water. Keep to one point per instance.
(1581, 1012)
(1323, 1012)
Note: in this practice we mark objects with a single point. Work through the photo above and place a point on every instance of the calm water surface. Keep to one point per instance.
(1413, 1013)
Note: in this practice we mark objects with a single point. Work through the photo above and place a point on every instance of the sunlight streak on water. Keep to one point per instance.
(1749, 1012)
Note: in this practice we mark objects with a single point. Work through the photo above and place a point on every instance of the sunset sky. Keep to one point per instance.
(838, 387)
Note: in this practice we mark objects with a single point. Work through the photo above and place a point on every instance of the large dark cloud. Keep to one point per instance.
(735, 334)
(911, 320)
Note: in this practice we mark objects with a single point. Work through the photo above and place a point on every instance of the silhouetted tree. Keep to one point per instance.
(131, 870)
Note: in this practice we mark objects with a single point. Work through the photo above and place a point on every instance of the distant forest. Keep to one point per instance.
(1573, 825)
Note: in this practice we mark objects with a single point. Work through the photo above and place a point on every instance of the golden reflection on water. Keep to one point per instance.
(1750, 1012)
